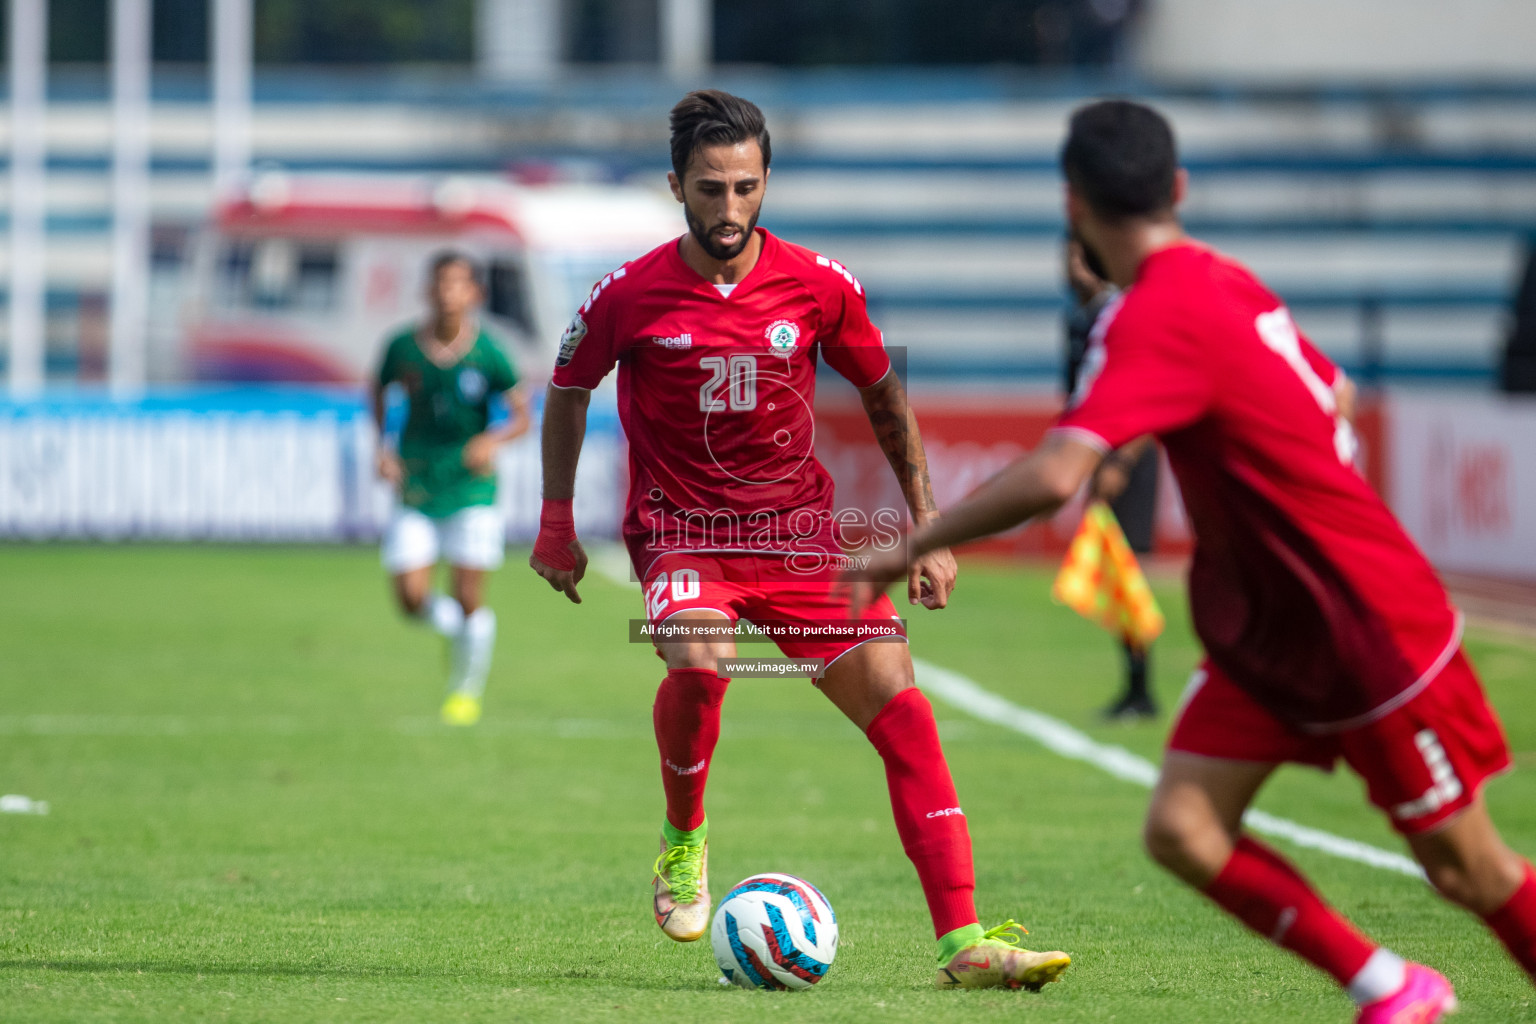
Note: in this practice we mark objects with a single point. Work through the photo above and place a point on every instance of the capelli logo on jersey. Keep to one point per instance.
(946, 813)
(679, 343)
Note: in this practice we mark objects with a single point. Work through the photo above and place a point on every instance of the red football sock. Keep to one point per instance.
(687, 719)
(1515, 923)
(927, 811)
(1262, 890)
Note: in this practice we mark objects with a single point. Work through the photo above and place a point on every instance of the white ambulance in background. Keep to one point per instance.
(300, 277)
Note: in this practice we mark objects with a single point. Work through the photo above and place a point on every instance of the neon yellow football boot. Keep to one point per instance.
(681, 902)
(461, 709)
(997, 960)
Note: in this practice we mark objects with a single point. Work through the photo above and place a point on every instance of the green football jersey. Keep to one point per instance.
(448, 406)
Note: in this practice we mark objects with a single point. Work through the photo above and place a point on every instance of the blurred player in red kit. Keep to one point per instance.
(716, 336)
(1327, 633)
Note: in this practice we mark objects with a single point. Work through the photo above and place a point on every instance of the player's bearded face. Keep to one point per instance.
(723, 198)
(709, 235)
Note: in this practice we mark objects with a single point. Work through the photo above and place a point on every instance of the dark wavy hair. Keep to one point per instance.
(710, 117)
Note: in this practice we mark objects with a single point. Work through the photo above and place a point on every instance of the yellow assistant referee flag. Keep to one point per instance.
(1101, 580)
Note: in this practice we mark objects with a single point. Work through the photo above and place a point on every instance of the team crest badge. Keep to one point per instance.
(783, 336)
(574, 332)
(472, 385)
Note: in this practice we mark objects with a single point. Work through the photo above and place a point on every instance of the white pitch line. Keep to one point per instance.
(1060, 738)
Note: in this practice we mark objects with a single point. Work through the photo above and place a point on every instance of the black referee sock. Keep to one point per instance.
(1136, 659)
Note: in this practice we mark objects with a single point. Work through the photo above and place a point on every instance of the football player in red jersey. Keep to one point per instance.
(1327, 633)
(716, 336)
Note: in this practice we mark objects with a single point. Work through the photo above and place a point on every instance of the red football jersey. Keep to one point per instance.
(1304, 589)
(716, 396)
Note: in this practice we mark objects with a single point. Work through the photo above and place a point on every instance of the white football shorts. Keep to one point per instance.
(473, 538)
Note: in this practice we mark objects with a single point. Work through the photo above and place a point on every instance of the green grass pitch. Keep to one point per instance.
(256, 816)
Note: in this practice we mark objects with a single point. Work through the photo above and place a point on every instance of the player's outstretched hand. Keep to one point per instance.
(931, 579)
(867, 584)
(563, 580)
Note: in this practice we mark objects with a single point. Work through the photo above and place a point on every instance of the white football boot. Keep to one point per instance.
(681, 902)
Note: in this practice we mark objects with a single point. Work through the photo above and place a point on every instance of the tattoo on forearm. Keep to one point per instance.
(896, 432)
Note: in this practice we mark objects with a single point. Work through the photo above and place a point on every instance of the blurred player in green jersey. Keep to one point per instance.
(444, 471)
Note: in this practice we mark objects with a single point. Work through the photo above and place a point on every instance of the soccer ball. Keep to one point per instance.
(774, 931)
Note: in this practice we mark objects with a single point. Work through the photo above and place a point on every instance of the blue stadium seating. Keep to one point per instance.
(1394, 222)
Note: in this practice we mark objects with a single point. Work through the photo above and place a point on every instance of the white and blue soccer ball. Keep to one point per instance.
(774, 931)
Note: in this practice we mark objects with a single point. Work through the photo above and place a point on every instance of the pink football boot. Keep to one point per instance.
(1424, 998)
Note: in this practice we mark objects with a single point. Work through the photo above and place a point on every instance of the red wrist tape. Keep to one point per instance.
(557, 528)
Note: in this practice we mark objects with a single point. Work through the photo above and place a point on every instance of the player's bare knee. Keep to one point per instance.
(1186, 840)
(1482, 883)
(469, 597)
(1468, 863)
(1165, 840)
(879, 668)
(411, 601)
(1469, 878)
(694, 656)
(1452, 880)
(468, 588)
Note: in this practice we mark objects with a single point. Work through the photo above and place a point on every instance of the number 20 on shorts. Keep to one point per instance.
(683, 585)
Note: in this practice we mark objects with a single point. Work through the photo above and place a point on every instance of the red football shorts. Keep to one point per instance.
(1422, 762)
(806, 614)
